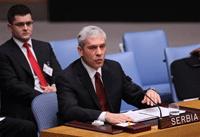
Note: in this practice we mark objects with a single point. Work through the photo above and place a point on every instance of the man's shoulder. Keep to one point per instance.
(7, 42)
(5, 46)
(34, 41)
(111, 63)
(74, 65)
(41, 45)
(71, 71)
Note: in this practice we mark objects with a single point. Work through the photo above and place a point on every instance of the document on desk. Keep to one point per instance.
(154, 111)
(149, 113)
(138, 117)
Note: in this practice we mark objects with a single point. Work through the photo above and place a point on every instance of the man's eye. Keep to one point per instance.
(20, 24)
(102, 46)
(28, 23)
(92, 47)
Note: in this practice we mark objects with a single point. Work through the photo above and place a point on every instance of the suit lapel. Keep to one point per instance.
(19, 56)
(37, 47)
(85, 79)
(40, 50)
(106, 77)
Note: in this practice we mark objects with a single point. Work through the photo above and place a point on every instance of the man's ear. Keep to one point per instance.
(9, 27)
(80, 50)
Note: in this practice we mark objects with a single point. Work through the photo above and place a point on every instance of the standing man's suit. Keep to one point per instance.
(16, 78)
(77, 99)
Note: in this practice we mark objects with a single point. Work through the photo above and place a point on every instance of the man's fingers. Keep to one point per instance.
(48, 89)
(117, 118)
(144, 100)
(155, 98)
(195, 51)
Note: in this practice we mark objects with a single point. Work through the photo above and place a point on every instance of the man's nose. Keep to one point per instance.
(99, 51)
(25, 27)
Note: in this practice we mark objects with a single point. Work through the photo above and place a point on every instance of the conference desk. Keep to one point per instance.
(192, 129)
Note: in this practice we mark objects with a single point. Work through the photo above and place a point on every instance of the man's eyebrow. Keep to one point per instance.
(92, 46)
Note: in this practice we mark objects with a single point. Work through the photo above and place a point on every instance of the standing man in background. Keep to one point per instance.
(28, 67)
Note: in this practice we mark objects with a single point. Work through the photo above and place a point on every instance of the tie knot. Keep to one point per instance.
(97, 75)
(26, 45)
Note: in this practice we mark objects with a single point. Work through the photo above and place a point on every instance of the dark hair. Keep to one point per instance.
(19, 9)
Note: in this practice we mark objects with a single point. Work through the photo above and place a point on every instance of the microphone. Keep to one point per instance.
(156, 104)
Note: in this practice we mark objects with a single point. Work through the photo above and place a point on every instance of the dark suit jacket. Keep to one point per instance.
(16, 79)
(77, 99)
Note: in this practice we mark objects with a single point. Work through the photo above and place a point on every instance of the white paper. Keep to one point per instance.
(154, 111)
(138, 117)
(2, 118)
(147, 114)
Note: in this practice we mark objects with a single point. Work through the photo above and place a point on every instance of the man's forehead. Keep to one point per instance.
(95, 39)
(23, 18)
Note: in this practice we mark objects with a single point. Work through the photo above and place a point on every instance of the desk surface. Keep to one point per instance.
(192, 129)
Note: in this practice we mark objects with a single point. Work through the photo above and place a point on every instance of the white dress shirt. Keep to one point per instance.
(92, 73)
(24, 50)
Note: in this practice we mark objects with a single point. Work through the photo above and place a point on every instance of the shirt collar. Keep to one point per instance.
(20, 43)
(90, 70)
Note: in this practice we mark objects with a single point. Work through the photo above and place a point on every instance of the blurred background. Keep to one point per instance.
(63, 19)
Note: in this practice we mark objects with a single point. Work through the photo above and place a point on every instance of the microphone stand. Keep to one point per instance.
(156, 104)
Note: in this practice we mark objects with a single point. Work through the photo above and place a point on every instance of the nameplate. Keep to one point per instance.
(135, 128)
(178, 120)
(104, 129)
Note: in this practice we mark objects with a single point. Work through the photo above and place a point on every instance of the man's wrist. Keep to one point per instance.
(151, 88)
(102, 116)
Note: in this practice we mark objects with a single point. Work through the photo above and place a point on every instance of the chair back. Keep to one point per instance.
(172, 54)
(127, 61)
(66, 51)
(148, 48)
(45, 107)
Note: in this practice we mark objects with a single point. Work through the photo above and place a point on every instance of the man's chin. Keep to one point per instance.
(100, 65)
(25, 39)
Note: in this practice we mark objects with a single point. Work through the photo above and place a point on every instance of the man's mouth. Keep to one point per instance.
(99, 60)
(25, 33)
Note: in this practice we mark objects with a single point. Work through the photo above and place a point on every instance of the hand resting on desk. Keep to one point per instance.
(117, 118)
(121, 118)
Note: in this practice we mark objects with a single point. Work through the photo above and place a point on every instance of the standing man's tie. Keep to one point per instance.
(101, 93)
(35, 66)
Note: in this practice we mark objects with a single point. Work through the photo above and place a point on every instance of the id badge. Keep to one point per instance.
(48, 70)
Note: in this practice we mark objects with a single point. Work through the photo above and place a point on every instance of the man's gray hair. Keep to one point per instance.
(89, 31)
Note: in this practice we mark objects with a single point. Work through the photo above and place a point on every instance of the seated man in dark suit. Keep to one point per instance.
(28, 67)
(92, 87)
(10, 127)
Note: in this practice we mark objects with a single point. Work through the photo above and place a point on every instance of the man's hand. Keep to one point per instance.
(48, 89)
(192, 53)
(154, 96)
(117, 118)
